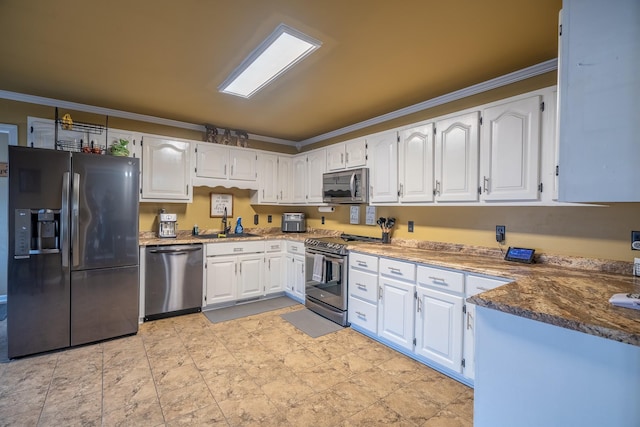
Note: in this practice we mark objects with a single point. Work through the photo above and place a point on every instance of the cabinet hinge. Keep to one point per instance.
(557, 170)
(540, 187)
(366, 157)
(560, 30)
(479, 190)
(398, 138)
(196, 149)
(463, 363)
(435, 130)
(366, 145)
(464, 308)
(415, 294)
(481, 120)
(542, 106)
(414, 341)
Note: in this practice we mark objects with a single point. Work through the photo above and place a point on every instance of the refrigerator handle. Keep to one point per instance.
(75, 234)
(64, 220)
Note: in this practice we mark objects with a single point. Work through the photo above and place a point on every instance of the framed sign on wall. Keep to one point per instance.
(219, 202)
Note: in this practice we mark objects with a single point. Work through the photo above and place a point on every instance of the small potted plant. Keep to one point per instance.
(120, 148)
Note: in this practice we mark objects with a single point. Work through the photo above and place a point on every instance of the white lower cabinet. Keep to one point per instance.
(419, 309)
(295, 260)
(396, 312)
(475, 285)
(274, 266)
(235, 271)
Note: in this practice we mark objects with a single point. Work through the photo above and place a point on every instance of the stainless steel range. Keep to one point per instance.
(326, 275)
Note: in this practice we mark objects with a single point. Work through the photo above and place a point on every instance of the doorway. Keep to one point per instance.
(8, 136)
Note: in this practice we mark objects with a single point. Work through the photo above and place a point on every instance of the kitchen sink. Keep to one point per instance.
(226, 236)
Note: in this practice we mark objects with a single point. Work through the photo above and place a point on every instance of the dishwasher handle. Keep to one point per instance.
(174, 251)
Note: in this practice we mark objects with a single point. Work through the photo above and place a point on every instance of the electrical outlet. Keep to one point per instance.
(255, 219)
(501, 233)
(410, 226)
(635, 240)
(322, 219)
(269, 219)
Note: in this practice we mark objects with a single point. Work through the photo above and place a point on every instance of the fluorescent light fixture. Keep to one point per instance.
(284, 48)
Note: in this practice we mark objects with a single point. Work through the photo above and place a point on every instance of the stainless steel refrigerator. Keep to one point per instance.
(73, 249)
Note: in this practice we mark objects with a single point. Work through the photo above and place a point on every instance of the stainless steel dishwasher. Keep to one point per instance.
(173, 280)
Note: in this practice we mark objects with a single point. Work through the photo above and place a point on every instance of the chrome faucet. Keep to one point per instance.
(225, 229)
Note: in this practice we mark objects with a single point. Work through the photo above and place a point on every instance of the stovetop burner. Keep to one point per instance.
(337, 245)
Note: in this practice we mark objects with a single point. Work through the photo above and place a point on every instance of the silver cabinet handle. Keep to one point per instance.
(437, 279)
(225, 169)
(436, 192)
(361, 286)
(395, 270)
(469, 320)
(485, 184)
(231, 174)
(363, 315)
(419, 305)
(341, 158)
(362, 263)
(238, 249)
(380, 293)
(240, 268)
(401, 190)
(481, 288)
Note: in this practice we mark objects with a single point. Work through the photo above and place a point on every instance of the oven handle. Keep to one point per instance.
(338, 258)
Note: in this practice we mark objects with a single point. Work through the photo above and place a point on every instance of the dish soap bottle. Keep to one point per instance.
(239, 228)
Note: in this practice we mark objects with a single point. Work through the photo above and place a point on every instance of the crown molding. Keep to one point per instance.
(516, 76)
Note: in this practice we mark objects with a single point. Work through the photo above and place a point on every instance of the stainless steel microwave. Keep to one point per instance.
(350, 186)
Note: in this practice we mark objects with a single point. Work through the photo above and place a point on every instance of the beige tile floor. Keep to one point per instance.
(258, 370)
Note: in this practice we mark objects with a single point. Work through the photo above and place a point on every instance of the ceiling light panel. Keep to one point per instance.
(283, 48)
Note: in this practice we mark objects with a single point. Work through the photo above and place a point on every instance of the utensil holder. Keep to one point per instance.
(386, 238)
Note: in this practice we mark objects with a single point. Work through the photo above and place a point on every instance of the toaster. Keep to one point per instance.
(294, 222)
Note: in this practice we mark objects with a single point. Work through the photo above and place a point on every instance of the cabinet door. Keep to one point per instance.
(395, 312)
(335, 157)
(299, 283)
(599, 88)
(212, 161)
(456, 159)
(510, 150)
(274, 273)
(165, 170)
(355, 153)
(299, 181)
(243, 164)
(40, 133)
(416, 164)
(316, 166)
(383, 171)
(221, 279)
(268, 182)
(250, 269)
(439, 328)
(469, 336)
(285, 176)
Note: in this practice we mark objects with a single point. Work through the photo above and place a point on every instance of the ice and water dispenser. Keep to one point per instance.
(37, 231)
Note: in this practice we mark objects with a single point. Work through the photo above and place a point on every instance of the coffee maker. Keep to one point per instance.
(167, 224)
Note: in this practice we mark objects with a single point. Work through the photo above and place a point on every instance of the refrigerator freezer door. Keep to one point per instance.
(104, 304)
(107, 226)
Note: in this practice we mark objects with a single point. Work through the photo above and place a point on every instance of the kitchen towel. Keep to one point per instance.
(318, 268)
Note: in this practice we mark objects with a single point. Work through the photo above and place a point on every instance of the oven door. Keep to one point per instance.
(326, 278)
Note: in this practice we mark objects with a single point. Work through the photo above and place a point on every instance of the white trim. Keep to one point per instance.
(50, 102)
(516, 76)
(12, 131)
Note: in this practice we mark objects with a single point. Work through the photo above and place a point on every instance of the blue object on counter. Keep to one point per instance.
(239, 228)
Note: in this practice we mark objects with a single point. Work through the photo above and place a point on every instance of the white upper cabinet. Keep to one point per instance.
(166, 171)
(415, 161)
(599, 85)
(383, 167)
(267, 179)
(299, 181)
(285, 180)
(510, 151)
(350, 154)
(316, 166)
(40, 133)
(225, 166)
(456, 158)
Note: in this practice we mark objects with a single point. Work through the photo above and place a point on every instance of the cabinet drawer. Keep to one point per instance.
(441, 279)
(363, 285)
(234, 248)
(274, 246)
(364, 262)
(398, 269)
(363, 314)
(295, 247)
(478, 284)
